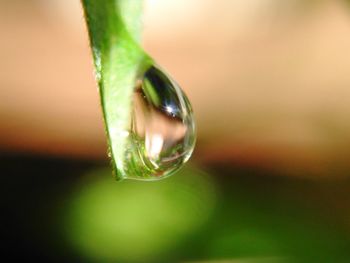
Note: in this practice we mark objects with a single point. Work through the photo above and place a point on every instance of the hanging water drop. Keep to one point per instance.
(161, 135)
(148, 119)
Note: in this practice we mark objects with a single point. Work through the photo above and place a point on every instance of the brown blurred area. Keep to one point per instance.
(268, 80)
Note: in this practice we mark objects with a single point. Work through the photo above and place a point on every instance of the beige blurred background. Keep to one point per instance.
(268, 79)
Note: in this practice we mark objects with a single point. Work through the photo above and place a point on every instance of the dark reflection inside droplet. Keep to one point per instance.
(167, 99)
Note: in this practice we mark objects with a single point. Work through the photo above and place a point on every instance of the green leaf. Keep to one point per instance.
(114, 29)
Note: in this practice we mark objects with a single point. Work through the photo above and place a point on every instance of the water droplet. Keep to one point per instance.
(162, 129)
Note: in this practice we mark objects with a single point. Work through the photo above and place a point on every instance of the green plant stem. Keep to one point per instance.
(114, 29)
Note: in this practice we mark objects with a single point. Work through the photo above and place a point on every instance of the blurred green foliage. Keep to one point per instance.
(134, 220)
(71, 211)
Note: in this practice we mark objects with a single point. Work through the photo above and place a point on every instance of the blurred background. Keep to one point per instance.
(269, 180)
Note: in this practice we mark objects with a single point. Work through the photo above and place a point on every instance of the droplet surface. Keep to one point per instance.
(162, 135)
